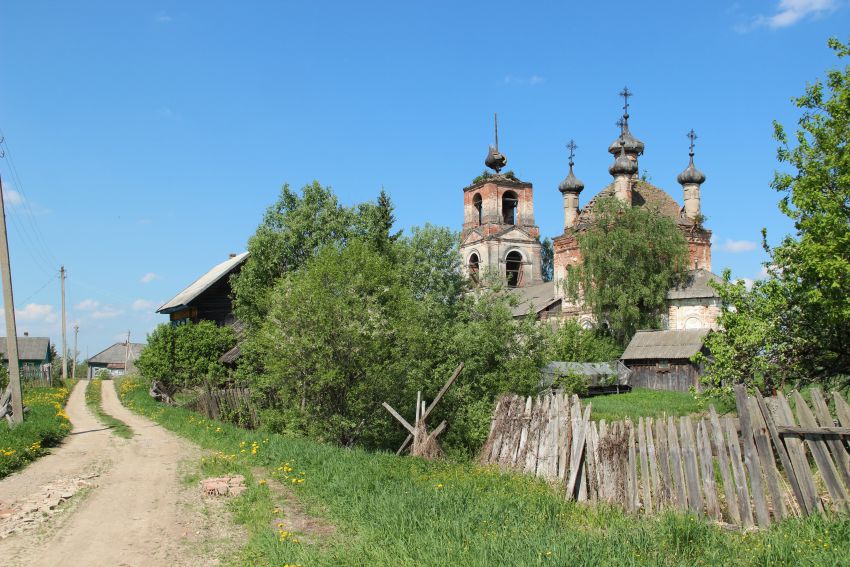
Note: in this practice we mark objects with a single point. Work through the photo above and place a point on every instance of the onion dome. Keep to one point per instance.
(691, 174)
(632, 145)
(623, 165)
(495, 160)
(571, 183)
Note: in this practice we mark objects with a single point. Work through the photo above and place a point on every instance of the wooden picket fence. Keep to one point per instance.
(764, 466)
(233, 405)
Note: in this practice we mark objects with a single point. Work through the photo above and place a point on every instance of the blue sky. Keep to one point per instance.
(148, 138)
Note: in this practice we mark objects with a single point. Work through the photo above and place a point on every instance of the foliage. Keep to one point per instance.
(44, 426)
(4, 377)
(572, 343)
(94, 401)
(547, 257)
(571, 383)
(186, 355)
(631, 257)
(796, 323)
(440, 513)
(103, 374)
(488, 174)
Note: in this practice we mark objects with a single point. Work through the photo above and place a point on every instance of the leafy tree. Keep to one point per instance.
(631, 257)
(548, 260)
(796, 324)
(186, 355)
(572, 343)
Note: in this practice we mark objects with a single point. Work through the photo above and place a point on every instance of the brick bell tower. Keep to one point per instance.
(499, 237)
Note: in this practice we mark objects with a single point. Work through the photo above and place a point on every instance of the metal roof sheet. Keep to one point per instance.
(29, 348)
(203, 283)
(665, 345)
(117, 354)
(695, 285)
(533, 298)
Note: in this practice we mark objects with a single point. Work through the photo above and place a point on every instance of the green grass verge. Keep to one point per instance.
(642, 402)
(45, 425)
(94, 399)
(400, 511)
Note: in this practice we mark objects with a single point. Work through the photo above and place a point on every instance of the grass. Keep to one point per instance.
(642, 402)
(94, 400)
(44, 426)
(402, 511)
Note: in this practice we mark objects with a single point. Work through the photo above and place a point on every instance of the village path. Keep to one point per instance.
(138, 512)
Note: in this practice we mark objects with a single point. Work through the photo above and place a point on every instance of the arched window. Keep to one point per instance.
(473, 267)
(479, 213)
(509, 204)
(513, 268)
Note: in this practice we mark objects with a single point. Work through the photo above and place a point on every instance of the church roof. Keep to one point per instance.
(695, 285)
(643, 194)
(533, 298)
(663, 345)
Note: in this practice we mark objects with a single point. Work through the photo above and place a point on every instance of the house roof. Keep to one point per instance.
(117, 354)
(695, 285)
(29, 348)
(199, 286)
(678, 344)
(533, 298)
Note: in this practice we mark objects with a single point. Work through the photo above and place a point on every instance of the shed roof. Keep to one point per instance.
(533, 298)
(199, 286)
(117, 354)
(695, 285)
(29, 348)
(665, 345)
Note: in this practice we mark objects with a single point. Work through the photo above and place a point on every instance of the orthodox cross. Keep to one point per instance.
(621, 124)
(626, 93)
(692, 136)
(572, 147)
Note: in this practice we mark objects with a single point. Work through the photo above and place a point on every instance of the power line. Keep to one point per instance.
(36, 292)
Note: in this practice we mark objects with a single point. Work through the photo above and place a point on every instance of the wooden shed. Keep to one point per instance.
(660, 360)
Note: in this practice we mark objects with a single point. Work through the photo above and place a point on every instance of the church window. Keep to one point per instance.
(513, 268)
(509, 205)
(474, 267)
(479, 212)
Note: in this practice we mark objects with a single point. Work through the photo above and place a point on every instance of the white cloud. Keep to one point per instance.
(736, 246)
(788, 13)
(11, 197)
(106, 313)
(163, 18)
(165, 112)
(143, 305)
(88, 305)
(532, 81)
(748, 283)
(36, 313)
(149, 277)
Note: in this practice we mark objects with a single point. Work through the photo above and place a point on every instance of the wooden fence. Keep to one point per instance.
(233, 405)
(764, 466)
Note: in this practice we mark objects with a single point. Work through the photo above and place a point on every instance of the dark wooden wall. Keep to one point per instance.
(679, 376)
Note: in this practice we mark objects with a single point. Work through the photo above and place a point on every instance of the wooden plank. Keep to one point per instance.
(653, 466)
(592, 460)
(502, 429)
(709, 487)
(400, 419)
(824, 431)
(679, 491)
(632, 498)
(522, 447)
(443, 390)
(768, 461)
(723, 462)
(689, 457)
(564, 437)
(781, 450)
(533, 438)
(842, 409)
(821, 454)
(743, 493)
(810, 503)
(644, 466)
(665, 496)
(578, 456)
(751, 456)
(836, 446)
(512, 432)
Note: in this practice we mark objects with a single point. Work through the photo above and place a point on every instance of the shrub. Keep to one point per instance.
(45, 425)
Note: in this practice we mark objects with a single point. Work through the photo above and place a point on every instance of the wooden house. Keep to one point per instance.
(116, 359)
(661, 360)
(208, 297)
(34, 358)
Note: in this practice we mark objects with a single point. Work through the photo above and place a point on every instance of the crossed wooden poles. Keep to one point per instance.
(418, 433)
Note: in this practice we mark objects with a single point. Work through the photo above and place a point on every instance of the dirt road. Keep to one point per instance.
(138, 512)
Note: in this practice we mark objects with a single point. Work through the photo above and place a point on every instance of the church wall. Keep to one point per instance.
(699, 250)
(694, 313)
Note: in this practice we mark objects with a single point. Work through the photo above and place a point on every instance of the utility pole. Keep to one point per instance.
(74, 368)
(11, 328)
(64, 336)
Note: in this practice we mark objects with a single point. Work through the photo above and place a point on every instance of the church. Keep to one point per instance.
(500, 239)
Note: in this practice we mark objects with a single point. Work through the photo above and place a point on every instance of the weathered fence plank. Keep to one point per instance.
(766, 458)
(690, 461)
(751, 456)
(644, 466)
(707, 470)
(836, 446)
(676, 466)
(721, 451)
(738, 472)
(799, 461)
(782, 451)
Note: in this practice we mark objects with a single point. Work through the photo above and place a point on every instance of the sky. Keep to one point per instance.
(144, 140)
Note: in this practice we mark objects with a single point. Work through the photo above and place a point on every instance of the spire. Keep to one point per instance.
(691, 175)
(633, 146)
(571, 184)
(495, 160)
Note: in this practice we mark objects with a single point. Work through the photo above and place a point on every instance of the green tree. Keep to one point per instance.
(796, 323)
(572, 343)
(631, 257)
(186, 355)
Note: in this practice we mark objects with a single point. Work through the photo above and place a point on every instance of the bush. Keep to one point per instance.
(45, 425)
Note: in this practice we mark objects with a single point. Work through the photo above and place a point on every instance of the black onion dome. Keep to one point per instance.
(691, 174)
(495, 160)
(631, 144)
(623, 165)
(571, 184)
